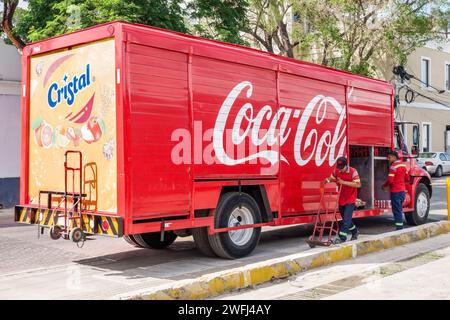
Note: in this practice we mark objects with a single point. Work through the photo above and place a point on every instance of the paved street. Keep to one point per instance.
(105, 268)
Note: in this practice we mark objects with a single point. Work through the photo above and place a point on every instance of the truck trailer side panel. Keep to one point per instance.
(158, 86)
(370, 118)
(234, 108)
(318, 135)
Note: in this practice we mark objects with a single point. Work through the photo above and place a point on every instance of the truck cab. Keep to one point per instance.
(417, 207)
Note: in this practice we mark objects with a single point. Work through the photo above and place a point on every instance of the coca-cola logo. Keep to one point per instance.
(259, 134)
(321, 148)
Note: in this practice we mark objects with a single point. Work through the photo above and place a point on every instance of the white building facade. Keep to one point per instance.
(430, 64)
(10, 124)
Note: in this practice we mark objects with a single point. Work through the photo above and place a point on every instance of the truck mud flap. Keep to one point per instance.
(92, 223)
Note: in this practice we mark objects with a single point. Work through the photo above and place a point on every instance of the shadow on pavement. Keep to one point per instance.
(182, 260)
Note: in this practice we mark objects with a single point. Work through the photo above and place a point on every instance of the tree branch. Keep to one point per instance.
(9, 7)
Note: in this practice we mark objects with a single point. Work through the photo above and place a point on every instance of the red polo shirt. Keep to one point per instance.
(348, 194)
(397, 176)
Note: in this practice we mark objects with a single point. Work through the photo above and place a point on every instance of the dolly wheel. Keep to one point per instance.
(55, 232)
(76, 235)
(310, 242)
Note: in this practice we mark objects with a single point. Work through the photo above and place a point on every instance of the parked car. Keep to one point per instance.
(436, 163)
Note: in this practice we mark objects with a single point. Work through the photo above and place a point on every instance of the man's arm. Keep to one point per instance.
(391, 175)
(355, 183)
(331, 178)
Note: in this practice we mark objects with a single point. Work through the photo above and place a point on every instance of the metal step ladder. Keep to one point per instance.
(326, 224)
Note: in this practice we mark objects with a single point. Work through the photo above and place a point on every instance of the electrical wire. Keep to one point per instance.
(427, 97)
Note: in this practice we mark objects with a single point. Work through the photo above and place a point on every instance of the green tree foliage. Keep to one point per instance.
(46, 18)
(218, 19)
(223, 20)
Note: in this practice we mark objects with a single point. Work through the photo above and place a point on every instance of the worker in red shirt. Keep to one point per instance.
(396, 182)
(348, 178)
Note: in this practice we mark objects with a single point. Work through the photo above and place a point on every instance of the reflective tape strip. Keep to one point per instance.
(22, 215)
(400, 165)
(357, 180)
(28, 215)
(342, 233)
(352, 228)
(47, 219)
(86, 225)
(399, 224)
(391, 175)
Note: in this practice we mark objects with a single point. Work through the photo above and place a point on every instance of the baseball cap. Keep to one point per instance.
(392, 153)
(341, 162)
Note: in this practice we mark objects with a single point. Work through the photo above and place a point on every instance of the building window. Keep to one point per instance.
(426, 137)
(425, 72)
(447, 76)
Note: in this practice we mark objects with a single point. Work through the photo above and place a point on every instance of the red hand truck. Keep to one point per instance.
(327, 223)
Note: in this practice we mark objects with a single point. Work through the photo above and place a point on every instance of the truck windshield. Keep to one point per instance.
(427, 155)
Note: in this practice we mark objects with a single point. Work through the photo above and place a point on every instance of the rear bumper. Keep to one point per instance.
(430, 169)
(94, 224)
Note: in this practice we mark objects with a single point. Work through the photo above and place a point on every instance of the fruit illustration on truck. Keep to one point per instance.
(147, 134)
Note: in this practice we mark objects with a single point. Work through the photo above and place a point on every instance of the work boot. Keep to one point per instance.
(355, 235)
(339, 240)
(398, 226)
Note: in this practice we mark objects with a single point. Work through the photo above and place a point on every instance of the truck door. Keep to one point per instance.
(160, 181)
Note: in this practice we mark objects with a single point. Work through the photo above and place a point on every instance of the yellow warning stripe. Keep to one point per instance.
(45, 217)
(22, 215)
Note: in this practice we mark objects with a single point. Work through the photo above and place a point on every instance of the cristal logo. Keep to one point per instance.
(313, 139)
(68, 88)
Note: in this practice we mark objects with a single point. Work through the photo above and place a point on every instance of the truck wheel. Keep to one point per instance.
(130, 240)
(202, 242)
(438, 172)
(421, 206)
(235, 209)
(152, 240)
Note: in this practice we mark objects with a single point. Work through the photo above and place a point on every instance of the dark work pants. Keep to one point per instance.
(347, 223)
(397, 199)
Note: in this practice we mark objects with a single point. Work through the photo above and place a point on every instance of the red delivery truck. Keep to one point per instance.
(137, 132)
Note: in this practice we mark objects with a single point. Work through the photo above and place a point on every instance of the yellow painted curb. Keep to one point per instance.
(211, 285)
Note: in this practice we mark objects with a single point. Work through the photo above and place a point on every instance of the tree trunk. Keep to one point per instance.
(9, 7)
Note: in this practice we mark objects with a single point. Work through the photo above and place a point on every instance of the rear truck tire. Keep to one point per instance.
(201, 240)
(235, 209)
(438, 172)
(131, 241)
(421, 206)
(152, 240)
